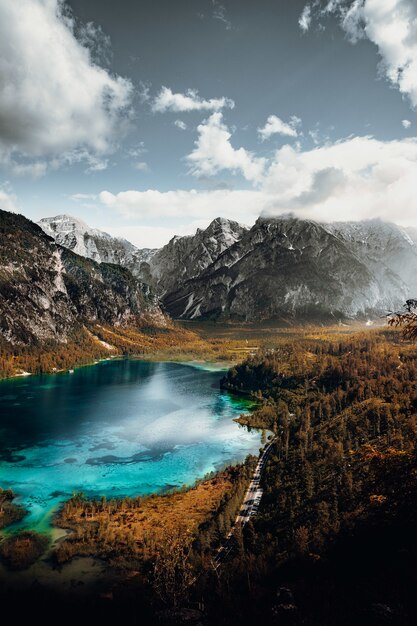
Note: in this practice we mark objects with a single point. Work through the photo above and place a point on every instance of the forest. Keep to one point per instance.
(334, 540)
(343, 471)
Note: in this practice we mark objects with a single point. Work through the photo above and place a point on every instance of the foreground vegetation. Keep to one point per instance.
(343, 476)
(21, 550)
(9, 511)
(334, 541)
(130, 531)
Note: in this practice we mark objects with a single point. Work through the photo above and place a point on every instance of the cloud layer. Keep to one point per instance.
(7, 201)
(53, 97)
(352, 179)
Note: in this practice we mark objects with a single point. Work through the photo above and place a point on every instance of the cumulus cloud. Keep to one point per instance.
(389, 24)
(357, 178)
(82, 197)
(214, 152)
(275, 126)
(406, 123)
(167, 100)
(37, 169)
(180, 124)
(304, 20)
(155, 236)
(53, 97)
(141, 166)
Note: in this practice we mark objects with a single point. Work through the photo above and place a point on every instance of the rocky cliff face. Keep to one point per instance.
(280, 268)
(388, 250)
(76, 235)
(288, 268)
(46, 291)
(186, 258)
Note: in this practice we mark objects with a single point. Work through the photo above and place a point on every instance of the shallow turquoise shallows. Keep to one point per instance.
(117, 428)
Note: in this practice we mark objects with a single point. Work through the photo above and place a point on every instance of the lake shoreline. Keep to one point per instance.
(86, 458)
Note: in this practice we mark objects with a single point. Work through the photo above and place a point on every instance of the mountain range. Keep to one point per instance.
(282, 268)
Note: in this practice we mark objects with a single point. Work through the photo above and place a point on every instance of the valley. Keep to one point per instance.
(140, 459)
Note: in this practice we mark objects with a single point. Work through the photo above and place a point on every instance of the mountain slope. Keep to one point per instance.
(76, 235)
(185, 258)
(388, 250)
(282, 267)
(47, 291)
(285, 267)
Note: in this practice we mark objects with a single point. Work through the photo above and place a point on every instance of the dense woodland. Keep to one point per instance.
(344, 469)
(334, 541)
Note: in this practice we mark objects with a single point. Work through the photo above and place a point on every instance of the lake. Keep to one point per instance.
(118, 428)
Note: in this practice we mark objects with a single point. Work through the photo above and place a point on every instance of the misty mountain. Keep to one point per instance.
(289, 268)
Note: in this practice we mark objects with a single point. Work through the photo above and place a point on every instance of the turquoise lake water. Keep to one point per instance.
(118, 428)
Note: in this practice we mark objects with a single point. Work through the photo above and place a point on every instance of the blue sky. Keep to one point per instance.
(150, 119)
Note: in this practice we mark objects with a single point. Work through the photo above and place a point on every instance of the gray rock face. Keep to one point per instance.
(47, 291)
(282, 267)
(289, 268)
(186, 258)
(74, 234)
(388, 250)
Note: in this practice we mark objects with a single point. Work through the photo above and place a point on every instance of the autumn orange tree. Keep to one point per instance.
(406, 319)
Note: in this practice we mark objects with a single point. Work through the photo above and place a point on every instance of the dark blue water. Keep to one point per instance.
(117, 428)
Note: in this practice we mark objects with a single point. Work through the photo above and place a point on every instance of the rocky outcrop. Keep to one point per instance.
(76, 235)
(46, 291)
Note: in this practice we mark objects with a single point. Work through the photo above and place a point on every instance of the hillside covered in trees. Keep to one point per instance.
(340, 490)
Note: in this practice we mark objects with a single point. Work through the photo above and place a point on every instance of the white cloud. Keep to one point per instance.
(180, 124)
(406, 123)
(141, 166)
(356, 178)
(53, 97)
(353, 179)
(8, 201)
(82, 197)
(304, 20)
(37, 169)
(96, 165)
(389, 24)
(213, 152)
(138, 150)
(166, 100)
(275, 126)
(145, 236)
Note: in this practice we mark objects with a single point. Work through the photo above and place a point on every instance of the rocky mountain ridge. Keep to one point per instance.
(283, 267)
(47, 291)
(76, 235)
